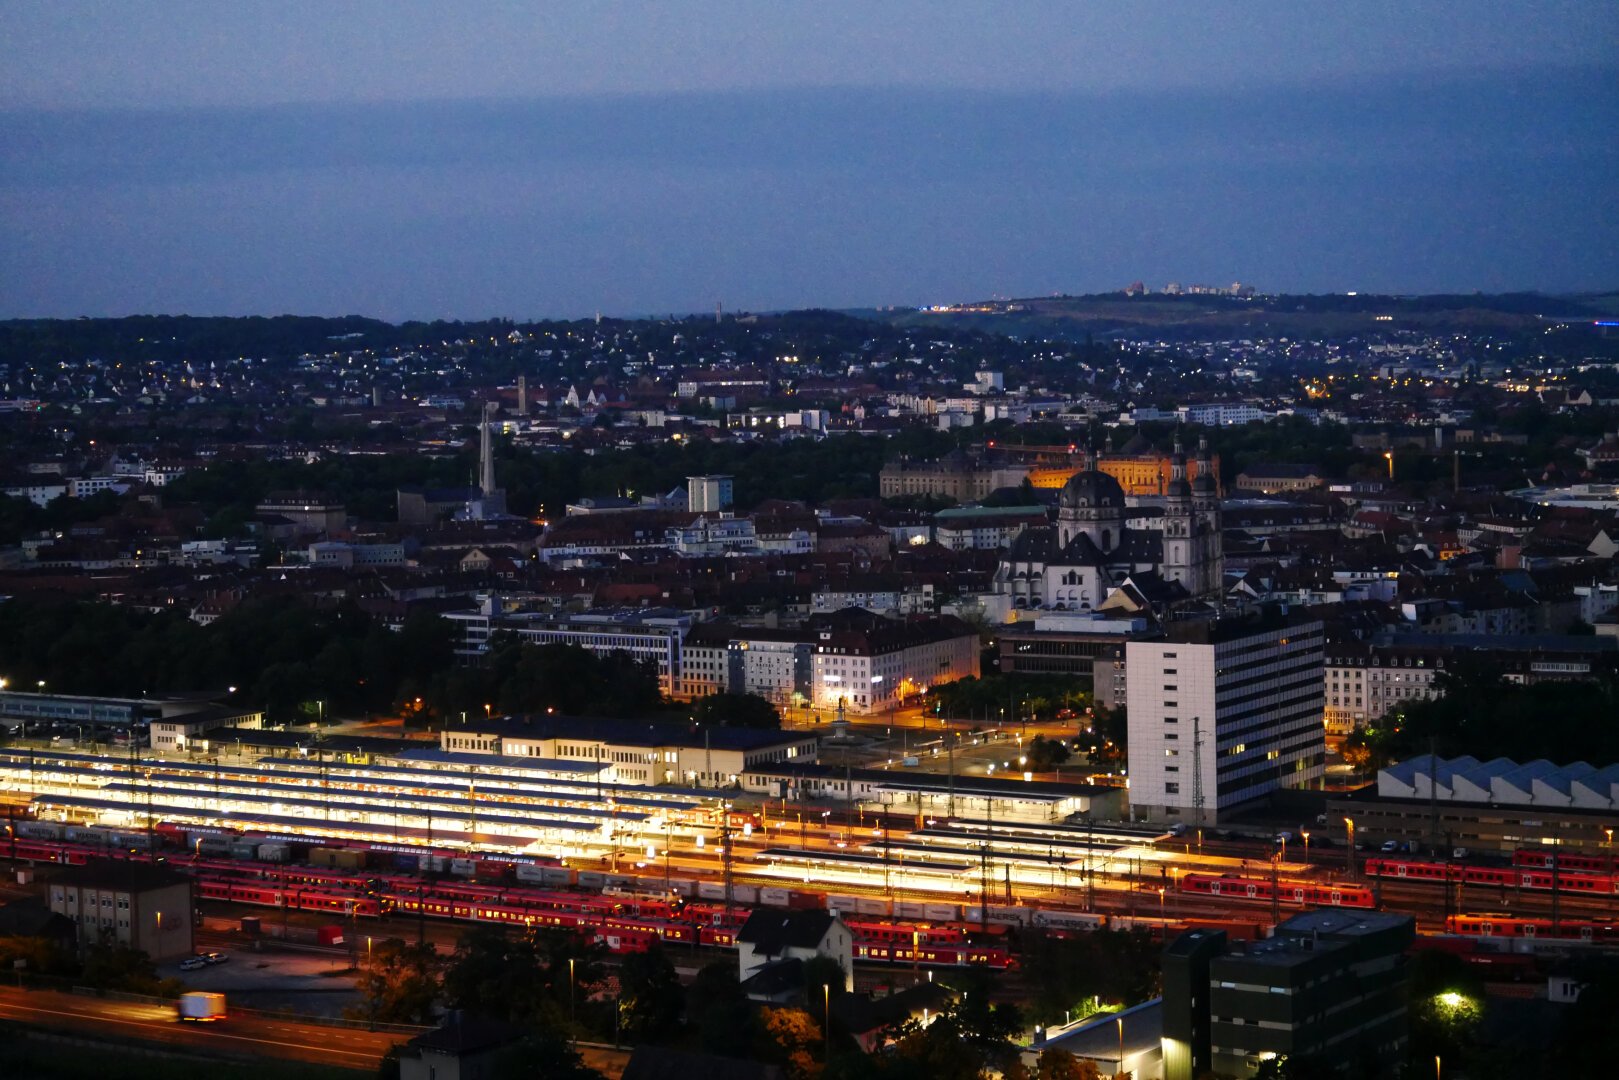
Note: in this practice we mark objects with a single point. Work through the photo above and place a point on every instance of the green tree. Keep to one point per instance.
(541, 1053)
(719, 1009)
(1046, 753)
(398, 983)
(496, 974)
(650, 998)
(793, 1039)
(1059, 1064)
(736, 710)
(1446, 996)
(112, 965)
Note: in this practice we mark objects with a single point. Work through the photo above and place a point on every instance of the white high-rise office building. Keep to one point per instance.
(1223, 713)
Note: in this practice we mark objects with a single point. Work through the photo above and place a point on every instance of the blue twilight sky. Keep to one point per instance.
(416, 160)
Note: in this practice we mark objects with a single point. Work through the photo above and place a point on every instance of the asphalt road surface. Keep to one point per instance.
(239, 1036)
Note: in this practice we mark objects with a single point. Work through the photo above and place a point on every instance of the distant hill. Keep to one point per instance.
(1205, 317)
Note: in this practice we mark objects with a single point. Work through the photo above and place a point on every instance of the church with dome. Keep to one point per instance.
(1082, 561)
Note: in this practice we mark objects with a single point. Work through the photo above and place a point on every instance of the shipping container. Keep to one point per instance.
(683, 887)
(244, 849)
(866, 905)
(463, 868)
(330, 935)
(276, 853)
(771, 897)
(557, 875)
(494, 871)
(39, 830)
(998, 914)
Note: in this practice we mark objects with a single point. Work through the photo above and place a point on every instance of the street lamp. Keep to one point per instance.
(1306, 835)
(570, 991)
(1388, 455)
(826, 1021)
(1349, 847)
(1120, 1023)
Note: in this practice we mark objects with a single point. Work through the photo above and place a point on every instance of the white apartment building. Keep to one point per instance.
(1222, 714)
(775, 665)
(878, 664)
(1221, 415)
(705, 667)
(720, 534)
(1363, 683)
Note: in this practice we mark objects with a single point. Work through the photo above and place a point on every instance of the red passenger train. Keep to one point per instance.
(1541, 859)
(1515, 926)
(1518, 877)
(621, 922)
(1310, 893)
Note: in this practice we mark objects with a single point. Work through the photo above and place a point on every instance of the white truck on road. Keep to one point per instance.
(201, 1007)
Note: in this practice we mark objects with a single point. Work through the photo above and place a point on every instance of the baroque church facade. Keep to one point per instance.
(1078, 563)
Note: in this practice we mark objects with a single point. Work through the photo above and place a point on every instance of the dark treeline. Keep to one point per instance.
(1484, 715)
(299, 662)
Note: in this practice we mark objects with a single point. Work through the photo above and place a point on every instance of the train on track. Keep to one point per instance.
(1308, 893)
(624, 912)
(1518, 926)
(1575, 882)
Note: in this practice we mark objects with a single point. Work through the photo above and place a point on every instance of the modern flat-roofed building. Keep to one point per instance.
(708, 494)
(650, 635)
(143, 906)
(1329, 988)
(311, 513)
(1067, 643)
(1222, 713)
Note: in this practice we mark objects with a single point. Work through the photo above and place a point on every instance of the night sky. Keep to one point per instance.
(425, 160)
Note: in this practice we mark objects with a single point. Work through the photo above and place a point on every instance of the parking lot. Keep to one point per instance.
(306, 982)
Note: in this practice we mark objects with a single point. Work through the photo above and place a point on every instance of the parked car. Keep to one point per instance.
(1390, 847)
(215, 957)
(192, 963)
(1460, 853)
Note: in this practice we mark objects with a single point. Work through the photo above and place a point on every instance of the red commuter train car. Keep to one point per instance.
(1310, 893)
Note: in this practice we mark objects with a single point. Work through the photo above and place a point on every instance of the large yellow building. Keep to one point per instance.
(1137, 474)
